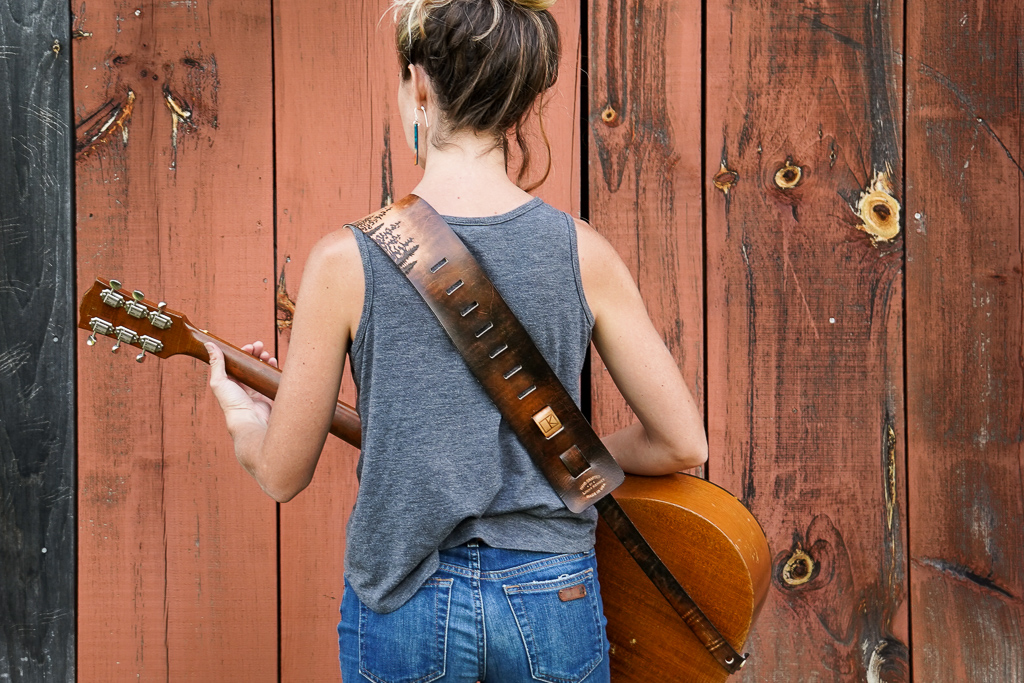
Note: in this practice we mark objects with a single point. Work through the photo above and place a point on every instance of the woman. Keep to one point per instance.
(458, 552)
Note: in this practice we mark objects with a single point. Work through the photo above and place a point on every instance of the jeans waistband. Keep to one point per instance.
(475, 558)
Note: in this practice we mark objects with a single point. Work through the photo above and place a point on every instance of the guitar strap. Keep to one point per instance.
(503, 357)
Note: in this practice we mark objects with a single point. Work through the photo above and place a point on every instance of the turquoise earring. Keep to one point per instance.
(416, 131)
(416, 139)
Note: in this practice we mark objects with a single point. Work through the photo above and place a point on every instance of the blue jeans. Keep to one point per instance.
(487, 614)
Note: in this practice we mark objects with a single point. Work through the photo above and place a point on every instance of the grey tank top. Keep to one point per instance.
(439, 466)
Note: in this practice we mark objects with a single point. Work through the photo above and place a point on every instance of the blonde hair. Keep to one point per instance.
(489, 61)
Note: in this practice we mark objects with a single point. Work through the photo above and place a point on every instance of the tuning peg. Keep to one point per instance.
(115, 285)
(91, 341)
(138, 296)
(141, 357)
(116, 347)
(161, 306)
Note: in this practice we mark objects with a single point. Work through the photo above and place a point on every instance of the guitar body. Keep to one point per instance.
(717, 551)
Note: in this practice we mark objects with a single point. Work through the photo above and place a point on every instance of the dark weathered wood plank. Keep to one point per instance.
(965, 382)
(805, 371)
(177, 564)
(37, 341)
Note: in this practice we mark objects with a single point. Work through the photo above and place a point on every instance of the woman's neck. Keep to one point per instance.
(467, 177)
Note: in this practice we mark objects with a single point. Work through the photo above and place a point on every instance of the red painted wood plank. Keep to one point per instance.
(965, 340)
(805, 372)
(177, 544)
(334, 103)
(645, 193)
(341, 153)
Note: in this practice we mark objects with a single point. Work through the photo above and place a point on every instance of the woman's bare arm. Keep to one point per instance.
(282, 452)
(669, 435)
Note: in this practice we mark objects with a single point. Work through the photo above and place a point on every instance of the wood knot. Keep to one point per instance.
(609, 115)
(799, 568)
(725, 179)
(878, 210)
(788, 177)
(285, 305)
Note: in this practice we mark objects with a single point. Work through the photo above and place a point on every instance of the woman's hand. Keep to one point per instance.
(241, 405)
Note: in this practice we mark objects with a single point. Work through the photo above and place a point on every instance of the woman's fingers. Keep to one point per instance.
(258, 349)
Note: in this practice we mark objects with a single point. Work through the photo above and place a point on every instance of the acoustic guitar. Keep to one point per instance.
(706, 537)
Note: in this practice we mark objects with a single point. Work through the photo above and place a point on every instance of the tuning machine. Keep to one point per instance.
(98, 325)
(158, 318)
(135, 307)
(111, 297)
(148, 344)
(125, 335)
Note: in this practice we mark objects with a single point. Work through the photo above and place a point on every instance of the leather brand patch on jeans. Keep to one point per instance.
(572, 593)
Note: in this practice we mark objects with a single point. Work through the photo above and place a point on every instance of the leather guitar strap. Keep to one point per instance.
(503, 357)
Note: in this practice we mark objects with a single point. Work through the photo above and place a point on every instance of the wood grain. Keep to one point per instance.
(334, 121)
(174, 197)
(341, 154)
(37, 341)
(645, 192)
(964, 339)
(805, 400)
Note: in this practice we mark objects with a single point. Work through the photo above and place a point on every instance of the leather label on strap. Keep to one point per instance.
(593, 486)
(573, 593)
(548, 422)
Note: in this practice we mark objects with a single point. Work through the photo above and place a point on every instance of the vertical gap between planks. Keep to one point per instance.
(73, 289)
(273, 309)
(906, 335)
(583, 101)
(703, 142)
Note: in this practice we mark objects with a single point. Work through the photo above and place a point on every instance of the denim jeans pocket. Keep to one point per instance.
(560, 622)
(407, 645)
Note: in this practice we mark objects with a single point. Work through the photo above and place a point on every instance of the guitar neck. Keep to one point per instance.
(265, 379)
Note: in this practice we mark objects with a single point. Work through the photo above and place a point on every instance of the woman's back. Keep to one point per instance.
(439, 466)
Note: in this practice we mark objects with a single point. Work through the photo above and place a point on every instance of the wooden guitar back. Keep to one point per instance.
(716, 550)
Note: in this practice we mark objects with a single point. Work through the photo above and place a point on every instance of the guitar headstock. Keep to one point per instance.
(131, 319)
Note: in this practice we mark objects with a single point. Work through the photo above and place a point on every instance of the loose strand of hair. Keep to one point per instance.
(547, 145)
(524, 149)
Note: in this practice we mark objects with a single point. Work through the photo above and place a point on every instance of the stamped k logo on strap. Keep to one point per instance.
(548, 422)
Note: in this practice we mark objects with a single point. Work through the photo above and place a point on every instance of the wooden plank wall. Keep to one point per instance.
(825, 224)
(37, 343)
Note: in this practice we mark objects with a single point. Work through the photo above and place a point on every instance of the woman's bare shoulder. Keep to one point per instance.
(607, 281)
(337, 247)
